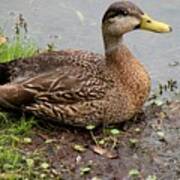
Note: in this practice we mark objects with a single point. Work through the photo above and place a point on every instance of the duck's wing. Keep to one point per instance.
(66, 85)
(63, 92)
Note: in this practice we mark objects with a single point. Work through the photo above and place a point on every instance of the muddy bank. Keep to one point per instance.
(147, 147)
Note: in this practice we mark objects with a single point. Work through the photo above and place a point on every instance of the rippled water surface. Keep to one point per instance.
(76, 24)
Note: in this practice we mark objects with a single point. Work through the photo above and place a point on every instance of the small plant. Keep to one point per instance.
(20, 45)
(10, 159)
(85, 170)
(151, 177)
(134, 173)
(12, 135)
(170, 86)
(160, 96)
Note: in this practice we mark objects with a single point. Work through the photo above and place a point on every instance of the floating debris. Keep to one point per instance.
(174, 64)
(80, 16)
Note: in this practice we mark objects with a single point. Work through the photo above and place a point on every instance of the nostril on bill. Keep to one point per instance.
(170, 29)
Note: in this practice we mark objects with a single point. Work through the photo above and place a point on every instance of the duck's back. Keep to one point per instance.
(22, 69)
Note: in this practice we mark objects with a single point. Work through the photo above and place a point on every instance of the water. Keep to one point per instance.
(76, 24)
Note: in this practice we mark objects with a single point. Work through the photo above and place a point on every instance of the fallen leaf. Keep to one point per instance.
(43, 136)
(115, 131)
(79, 148)
(104, 152)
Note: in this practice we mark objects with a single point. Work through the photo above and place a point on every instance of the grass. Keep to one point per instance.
(16, 132)
(12, 135)
(13, 131)
(17, 48)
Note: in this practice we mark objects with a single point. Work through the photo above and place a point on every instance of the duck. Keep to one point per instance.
(81, 88)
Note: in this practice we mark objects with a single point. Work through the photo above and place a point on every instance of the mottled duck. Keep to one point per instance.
(78, 87)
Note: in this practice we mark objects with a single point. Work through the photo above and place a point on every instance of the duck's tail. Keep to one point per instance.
(4, 73)
(14, 96)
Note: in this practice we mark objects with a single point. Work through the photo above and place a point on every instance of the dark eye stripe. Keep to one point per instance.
(114, 13)
(117, 13)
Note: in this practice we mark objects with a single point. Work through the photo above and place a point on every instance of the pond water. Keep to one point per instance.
(76, 24)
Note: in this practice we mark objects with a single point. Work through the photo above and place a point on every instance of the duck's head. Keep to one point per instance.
(124, 16)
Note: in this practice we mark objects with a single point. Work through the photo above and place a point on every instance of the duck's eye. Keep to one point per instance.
(124, 13)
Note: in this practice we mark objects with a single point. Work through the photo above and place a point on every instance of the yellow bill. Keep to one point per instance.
(147, 23)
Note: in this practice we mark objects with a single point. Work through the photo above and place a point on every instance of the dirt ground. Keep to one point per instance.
(145, 148)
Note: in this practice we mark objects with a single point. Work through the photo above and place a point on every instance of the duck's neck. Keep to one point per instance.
(115, 50)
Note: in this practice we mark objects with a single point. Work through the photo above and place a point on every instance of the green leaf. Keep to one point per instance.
(85, 170)
(151, 177)
(30, 162)
(101, 142)
(115, 131)
(134, 173)
(44, 165)
(158, 102)
(133, 141)
(90, 127)
(27, 140)
(137, 130)
(79, 148)
(48, 141)
(161, 135)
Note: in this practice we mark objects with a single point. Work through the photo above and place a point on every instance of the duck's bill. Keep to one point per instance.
(147, 23)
